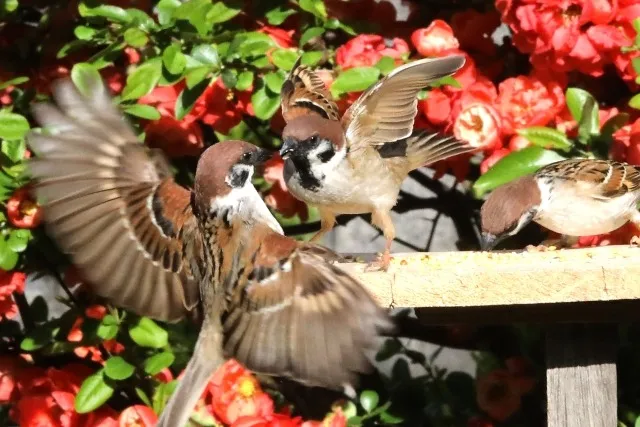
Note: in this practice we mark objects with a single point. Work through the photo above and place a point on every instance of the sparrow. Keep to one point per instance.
(214, 253)
(355, 164)
(575, 197)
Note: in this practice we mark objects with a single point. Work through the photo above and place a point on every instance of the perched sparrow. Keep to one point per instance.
(215, 253)
(357, 163)
(575, 197)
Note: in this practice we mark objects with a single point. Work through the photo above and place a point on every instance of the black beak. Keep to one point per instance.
(260, 156)
(288, 145)
(489, 241)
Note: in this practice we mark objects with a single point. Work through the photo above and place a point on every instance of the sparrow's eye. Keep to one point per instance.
(245, 157)
(313, 139)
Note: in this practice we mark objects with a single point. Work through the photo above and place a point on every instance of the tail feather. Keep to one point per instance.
(424, 148)
(206, 358)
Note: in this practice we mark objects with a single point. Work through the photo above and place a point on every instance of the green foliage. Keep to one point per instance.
(93, 393)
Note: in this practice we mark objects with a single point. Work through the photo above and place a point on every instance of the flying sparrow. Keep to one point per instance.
(356, 163)
(215, 253)
(575, 197)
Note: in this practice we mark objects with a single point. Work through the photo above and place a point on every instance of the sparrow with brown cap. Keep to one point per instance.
(215, 254)
(356, 163)
(575, 197)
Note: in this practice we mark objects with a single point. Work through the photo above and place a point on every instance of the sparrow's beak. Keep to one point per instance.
(489, 241)
(288, 145)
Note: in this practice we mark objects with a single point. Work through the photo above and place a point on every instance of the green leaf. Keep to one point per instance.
(229, 78)
(584, 110)
(118, 369)
(196, 12)
(143, 396)
(14, 82)
(310, 34)
(161, 395)
(447, 81)
(386, 64)
(143, 111)
(165, 10)
(274, 81)
(173, 59)
(196, 75)
(220, 12)
(148, 333)
(14, 150)
(316, 7)
(112, 13)
(311, 58)
(514, 165)
(13, 126)
(245, 79)
(206, 54)
(546, 137)
(9, 5)
(188, 97)
(390, 419)
(18, 240)
(142, 80)
(93, 393)
(38, 338)
(84, 33)
(634, 102)
(637, 423)
(156, 363)
(278, 15)
(390, 348)
(369, 400)
(135, 37)
(85, 76)
(355, 80)
(284, 58)
(265, 104)
(254, 44)
(108, 327)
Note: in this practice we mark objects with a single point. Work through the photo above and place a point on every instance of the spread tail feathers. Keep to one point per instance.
(206, 358)
(424, 148)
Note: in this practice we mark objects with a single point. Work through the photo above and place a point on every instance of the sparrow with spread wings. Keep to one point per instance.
(575, 197)
(215, 253)
(356, 163)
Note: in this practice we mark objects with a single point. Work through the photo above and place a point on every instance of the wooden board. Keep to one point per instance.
(449, 284)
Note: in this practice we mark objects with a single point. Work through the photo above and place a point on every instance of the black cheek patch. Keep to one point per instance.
(238, 177)
(307, 179)
(325, 156)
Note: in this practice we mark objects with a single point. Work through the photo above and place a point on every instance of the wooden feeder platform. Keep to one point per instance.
(579, 294)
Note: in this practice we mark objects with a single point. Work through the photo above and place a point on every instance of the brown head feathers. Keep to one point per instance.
(303, 128)
(505, 206)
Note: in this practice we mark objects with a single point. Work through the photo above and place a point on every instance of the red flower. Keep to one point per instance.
(22, 210)
(435, 40)
(479, 422)
(278, 196)
(137, 416)
(478, 124)
(236, 393)
(223, 108)
(493, 159)
(367, 49)
(282, 37)
(335, 418)
(518, 142)
(273, 420)
(175, 138)
(11, 281)
(499, 392)
(527, 101)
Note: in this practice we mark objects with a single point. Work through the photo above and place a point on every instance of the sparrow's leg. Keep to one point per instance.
(382, 220)
(635, 219)
(563, 242)
(327, 221)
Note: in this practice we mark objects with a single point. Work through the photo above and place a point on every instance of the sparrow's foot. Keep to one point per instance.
(381, 263)
(635, 241)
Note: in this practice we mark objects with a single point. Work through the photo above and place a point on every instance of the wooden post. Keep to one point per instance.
(581, 375)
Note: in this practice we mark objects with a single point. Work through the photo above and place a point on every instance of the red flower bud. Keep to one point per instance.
(22, 210)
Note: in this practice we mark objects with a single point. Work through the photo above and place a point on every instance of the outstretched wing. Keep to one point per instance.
(295, 314)
(386, 111)
(304, 93)
(111, 206)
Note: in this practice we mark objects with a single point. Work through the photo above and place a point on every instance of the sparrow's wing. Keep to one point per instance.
(109, 205)
(600, 179)
(304, 93)
(385, 112)
(295, 314)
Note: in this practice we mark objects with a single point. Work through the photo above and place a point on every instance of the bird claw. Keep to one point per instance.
(635, 241)
(540, 248)
(381, 263)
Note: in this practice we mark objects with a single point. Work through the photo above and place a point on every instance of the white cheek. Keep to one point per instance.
(320, 167)
(238, 169)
